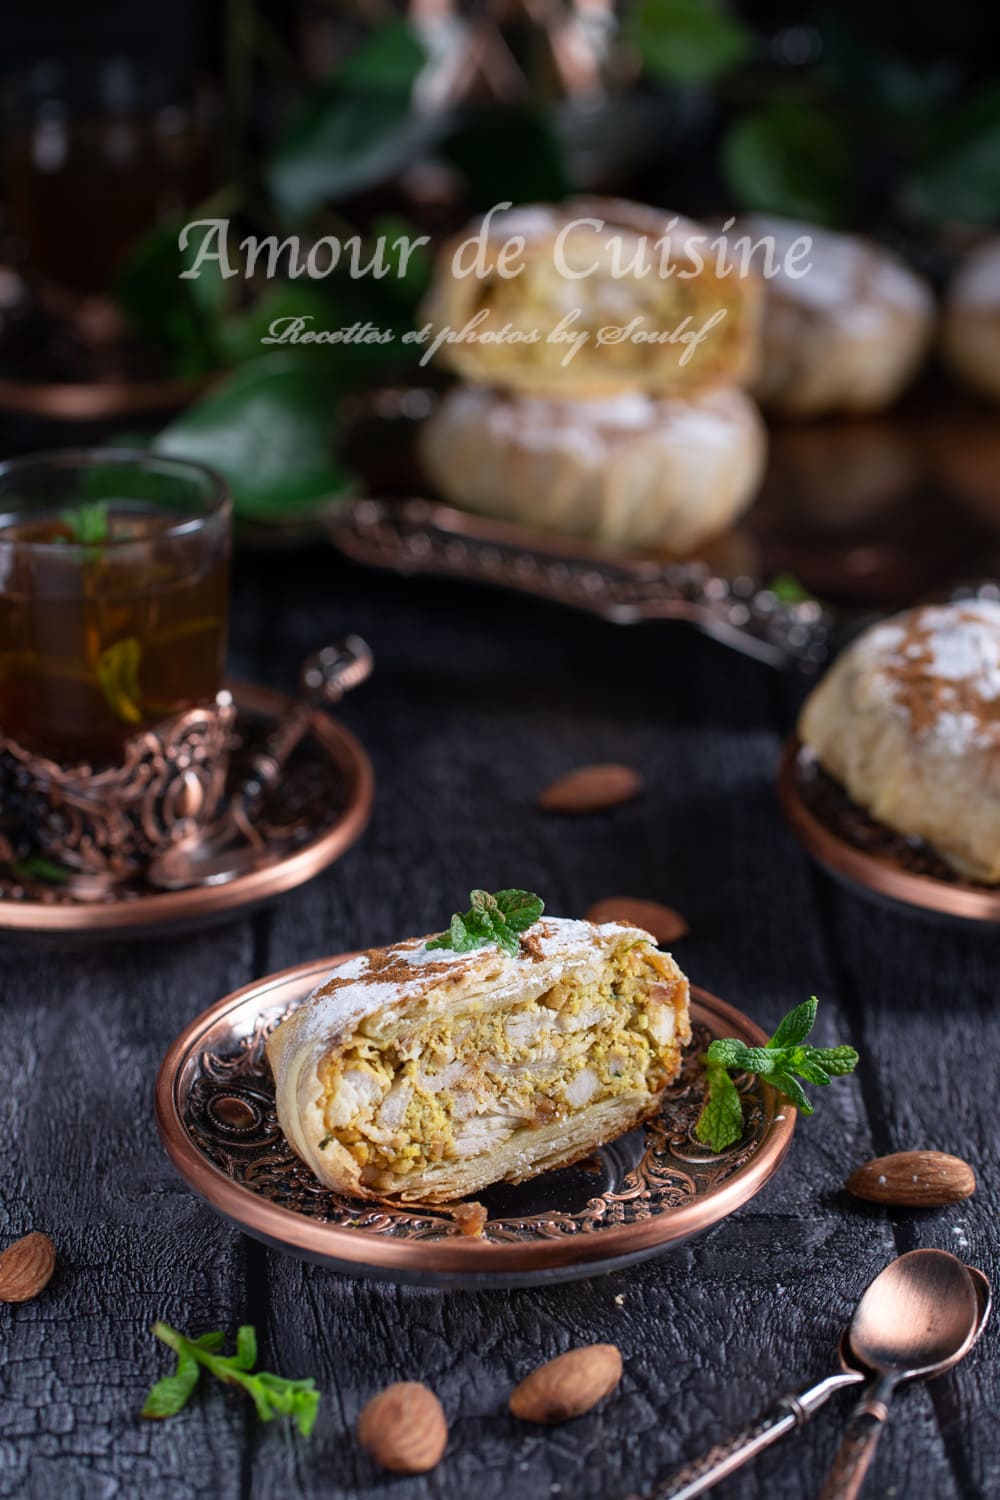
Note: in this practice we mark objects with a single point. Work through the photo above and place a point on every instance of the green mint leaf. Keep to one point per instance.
(792, 1090)
(272, 1395)
(37, 867)
(87, 522)
(720, 1123)
(169, 1395)
(812, 1071)
(246, 1347)
(491, 919)
(733, 1054)
(836, 1060)
(520, 909)
(796, 1026)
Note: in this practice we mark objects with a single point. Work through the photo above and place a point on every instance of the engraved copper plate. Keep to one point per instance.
(904, 873)
(316, 812)
(636, 1197)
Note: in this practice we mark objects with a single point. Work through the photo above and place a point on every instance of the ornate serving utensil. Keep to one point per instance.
(890, 1297)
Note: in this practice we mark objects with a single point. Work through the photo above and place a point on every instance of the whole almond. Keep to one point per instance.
(591, 789)
(568, 1385)
(666, 925)
(913, 1179)
(26, 1268)
(404, 1428)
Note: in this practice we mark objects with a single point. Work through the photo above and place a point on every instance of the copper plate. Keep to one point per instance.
(636, 1197)
(864, 854)
(98, 400)
(319, 809)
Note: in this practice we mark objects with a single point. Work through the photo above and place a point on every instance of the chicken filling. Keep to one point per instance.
(457, 1086)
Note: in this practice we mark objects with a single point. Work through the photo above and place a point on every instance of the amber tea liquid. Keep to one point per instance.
(99, 641)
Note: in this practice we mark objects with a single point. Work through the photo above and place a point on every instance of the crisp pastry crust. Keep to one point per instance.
(846, 336)
(970, 328)
(908, 720)
(422, 1075)
(642, 264)
(627, 470)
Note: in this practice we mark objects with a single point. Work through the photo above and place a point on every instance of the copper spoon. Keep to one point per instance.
(920, 1317)
(793, 1411)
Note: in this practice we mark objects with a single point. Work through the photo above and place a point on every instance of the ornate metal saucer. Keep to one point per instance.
(884, 866)
(635, 1198)
(311, 814)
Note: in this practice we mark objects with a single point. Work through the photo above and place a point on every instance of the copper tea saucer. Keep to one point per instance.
(316, 812)
(635, 1198)
(870, 858)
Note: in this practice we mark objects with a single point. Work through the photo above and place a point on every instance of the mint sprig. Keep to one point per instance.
(272, 1395)
(87, 522)
(491, 919)
(785, 1059)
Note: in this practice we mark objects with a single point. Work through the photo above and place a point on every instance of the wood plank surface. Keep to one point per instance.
(477, 702)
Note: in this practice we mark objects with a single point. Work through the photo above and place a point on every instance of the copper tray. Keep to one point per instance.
(871, 859)
(636, 1197)
(318, 811)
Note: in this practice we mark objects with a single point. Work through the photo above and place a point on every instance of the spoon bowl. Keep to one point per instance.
(918, 1316)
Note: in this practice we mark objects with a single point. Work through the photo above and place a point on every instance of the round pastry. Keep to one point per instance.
(970, 330)
(846, 334)
(627, 470)
(590, 297)
(908, 720)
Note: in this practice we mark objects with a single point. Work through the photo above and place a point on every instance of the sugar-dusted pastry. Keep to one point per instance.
(908, 720)
(641, 289)
(845, 335)
(970, 328)
(629, 470)
(420, 1073)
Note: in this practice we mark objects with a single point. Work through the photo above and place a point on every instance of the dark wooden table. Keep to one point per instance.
(478, 701)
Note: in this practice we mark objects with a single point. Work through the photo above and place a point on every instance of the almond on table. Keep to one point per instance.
(591, 789)
(404, 1428)
(568, 1385)
(26, 1267)
(913, 1179)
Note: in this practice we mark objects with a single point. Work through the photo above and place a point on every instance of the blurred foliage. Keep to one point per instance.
(268, 428)
(788, 158)
(687, 41)
(810, 120)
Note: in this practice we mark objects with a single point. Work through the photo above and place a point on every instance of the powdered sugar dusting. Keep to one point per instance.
(940, 667)
(354, 990)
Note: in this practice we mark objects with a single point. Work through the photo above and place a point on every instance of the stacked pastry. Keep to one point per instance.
(601, 352)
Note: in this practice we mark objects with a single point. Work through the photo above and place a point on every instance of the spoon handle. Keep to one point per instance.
(857, 1447)
(788, 1412)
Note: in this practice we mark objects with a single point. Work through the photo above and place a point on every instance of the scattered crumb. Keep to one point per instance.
(620, 1300)
(471, 1219)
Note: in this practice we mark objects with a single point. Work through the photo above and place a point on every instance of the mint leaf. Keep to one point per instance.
(720, 1123)
(246, 1347)
(792, 1089)
(796, 1026)
(117, 673)
(169, 1395)
(88, 522)
(809, 1069)
(785, 1056)
(520, 908)
(491, 919)
(836, 1060)
(272, 1395)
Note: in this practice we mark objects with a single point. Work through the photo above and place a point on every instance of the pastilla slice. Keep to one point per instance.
(421, 1074)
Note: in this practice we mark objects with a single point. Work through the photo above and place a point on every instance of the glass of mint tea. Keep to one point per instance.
(114, 580)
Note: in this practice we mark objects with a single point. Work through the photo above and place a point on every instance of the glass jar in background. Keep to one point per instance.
(114, 585)
(97, 150)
